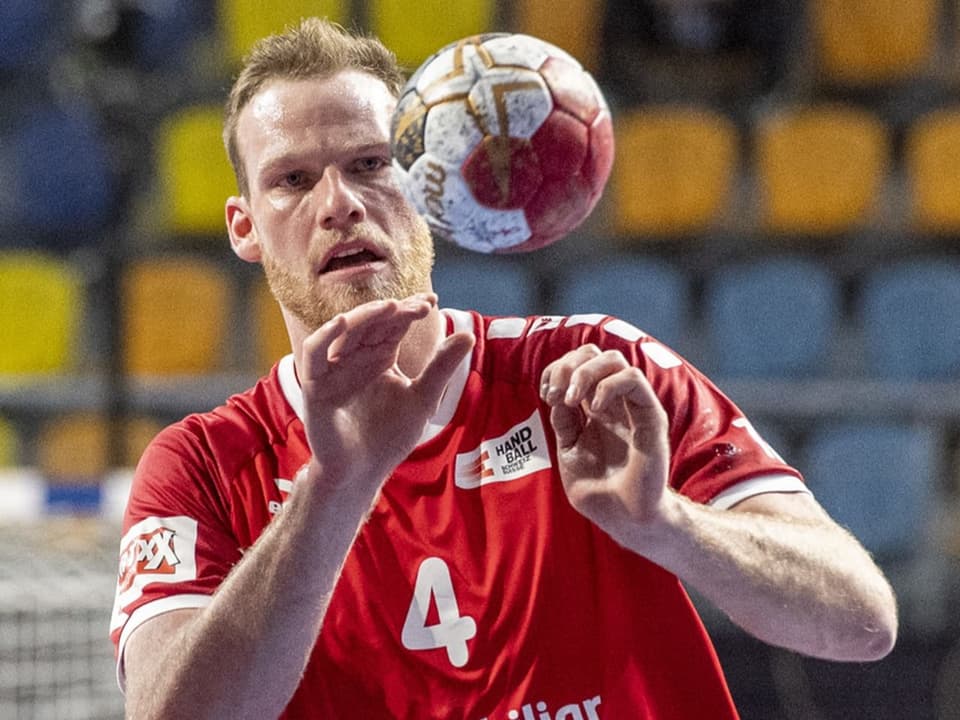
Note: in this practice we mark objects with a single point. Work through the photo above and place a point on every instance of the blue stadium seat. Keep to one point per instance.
(651, 294)
(64, 181)
(492, 286)
(164, 33)
(772, 318)
(29, 34)
(877, 479)
(910, 320)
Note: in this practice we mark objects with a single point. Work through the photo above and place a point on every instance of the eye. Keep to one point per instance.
(293, 179)
(371, 163)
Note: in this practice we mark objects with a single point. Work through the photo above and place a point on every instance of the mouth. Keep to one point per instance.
(351, 256)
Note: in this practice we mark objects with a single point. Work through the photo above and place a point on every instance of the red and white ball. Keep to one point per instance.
(503, 142)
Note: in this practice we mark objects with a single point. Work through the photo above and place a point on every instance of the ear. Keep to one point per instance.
(242, 231)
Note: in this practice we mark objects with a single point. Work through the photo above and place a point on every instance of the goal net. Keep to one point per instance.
(57, 580)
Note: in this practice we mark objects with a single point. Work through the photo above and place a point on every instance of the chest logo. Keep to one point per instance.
(520, 451)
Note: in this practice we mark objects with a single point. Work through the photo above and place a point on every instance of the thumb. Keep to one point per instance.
(435, 376)
(567, 424)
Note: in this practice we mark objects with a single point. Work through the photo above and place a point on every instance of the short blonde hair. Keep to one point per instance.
(314, 48)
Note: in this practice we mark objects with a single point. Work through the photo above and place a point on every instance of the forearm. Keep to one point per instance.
(803, 584)
(243, 655)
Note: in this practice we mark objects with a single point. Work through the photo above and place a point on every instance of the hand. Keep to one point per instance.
(612, 442)
(363, 415)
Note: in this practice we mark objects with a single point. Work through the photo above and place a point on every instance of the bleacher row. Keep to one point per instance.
(800, 248)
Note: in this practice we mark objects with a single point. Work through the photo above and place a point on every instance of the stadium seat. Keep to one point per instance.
(194, 173)
(673, 171)
(135, 435)
(242, 22)
(9, 444)
(650, 294)
(771, 318)
(41, 305)
(875, 478)
(271, 341)
(820, 169)
(910, 324)
(493, 286)
(932, 172)
(577, 29)
(28, 35)
(862, 43)
(174, 314)
(416, 30)
(164, 34)
(64, 185)
(74, 447)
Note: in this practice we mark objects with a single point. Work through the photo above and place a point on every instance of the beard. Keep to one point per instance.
(313, 303)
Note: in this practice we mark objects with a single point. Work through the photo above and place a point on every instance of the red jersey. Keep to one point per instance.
(474, 591)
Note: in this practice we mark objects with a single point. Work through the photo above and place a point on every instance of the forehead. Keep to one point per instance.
(329, 111)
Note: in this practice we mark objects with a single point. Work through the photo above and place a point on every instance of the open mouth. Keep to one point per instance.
(350, 257)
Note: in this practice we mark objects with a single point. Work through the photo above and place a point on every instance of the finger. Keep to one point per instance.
(379, 322)
(629, 384)
(585, 377)
(567, 423)
(431, 382)
(555, 379)
(316, 347)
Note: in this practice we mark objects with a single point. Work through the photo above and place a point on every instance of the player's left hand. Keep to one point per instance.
(612, 441)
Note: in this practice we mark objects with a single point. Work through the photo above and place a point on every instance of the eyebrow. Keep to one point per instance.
(286, 159)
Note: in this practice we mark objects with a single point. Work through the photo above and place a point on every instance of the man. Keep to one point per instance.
(426, 513)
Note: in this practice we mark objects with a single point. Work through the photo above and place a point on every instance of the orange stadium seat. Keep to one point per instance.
(932, 172)
(40, 311)
(415, 30)
(75, 446)
(270, 334)
(576, 28)
(136, 434)
(873, 42)
(242, 22)
(9, 444)
(194, 172)
(673, 172)
(819, 169)
(174, 316)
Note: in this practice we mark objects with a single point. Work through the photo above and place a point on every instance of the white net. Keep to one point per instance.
(57, 578)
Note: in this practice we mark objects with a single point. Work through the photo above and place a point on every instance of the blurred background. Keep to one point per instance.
(784, 210)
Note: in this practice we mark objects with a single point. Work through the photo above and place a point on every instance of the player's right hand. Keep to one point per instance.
(363, 414)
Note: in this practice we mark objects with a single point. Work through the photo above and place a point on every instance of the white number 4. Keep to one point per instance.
(453, 630)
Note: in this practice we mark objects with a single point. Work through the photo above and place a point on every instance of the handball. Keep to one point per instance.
(503, 142)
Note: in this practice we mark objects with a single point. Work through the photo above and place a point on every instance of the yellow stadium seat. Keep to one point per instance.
(40, 311)
(194, 172)
(415, 30)
(271, 341)
(75, 446)
(9, 444)
(243, 22)
(819, 169)
(932, 171)
(174, 316)
(576, 28)
(673, 171)
(871, 42)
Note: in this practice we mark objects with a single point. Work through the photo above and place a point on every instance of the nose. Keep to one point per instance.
(339, 204)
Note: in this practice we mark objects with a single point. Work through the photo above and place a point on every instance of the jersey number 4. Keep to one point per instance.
(452, 630)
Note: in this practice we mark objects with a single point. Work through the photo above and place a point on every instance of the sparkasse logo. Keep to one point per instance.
(520, 451)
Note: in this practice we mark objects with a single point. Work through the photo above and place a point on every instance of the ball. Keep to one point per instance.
(503, 142)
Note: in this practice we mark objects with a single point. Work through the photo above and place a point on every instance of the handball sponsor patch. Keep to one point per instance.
(520, 451)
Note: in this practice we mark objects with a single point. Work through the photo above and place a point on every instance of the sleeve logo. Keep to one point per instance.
(154, 550)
